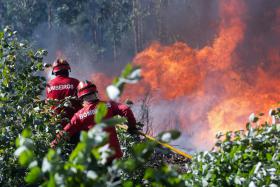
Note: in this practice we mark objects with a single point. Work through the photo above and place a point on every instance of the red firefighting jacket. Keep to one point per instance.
(61, 87)
(83, 120)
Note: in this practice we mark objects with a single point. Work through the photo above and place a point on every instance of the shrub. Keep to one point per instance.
(20, 108)
(240, 158)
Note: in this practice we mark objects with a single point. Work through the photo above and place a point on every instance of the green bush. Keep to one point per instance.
(20, 107)
(241, 158)
(21, 85)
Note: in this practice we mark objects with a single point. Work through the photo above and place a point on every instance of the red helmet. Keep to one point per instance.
(85, 88)
(60, 64)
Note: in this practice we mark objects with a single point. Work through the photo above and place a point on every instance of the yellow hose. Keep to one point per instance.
(159, 142)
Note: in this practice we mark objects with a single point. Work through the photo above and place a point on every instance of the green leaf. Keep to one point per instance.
(95, 153)
(39, 66)
(115, 120)
(25, 158)
(26, 133)
(51, 154)
(115, 81)
(1, 35)
(80, 147)
(149, 173)
(101, 112)
(268, 156)
(83, 136)
(33, 175)
(175, 134)
(127, 70)
(128, 184)
(130, 164)
(6, 74)
(5, 82)
(51, 182)
(18, 142)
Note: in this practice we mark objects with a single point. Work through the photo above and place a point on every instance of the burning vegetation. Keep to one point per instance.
(210, 89)
(232, 71)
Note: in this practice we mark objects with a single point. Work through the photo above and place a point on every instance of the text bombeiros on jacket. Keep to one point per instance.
(91, 112)
(60, 87)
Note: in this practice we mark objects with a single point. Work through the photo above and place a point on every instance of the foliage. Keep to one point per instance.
(129, 75)
(99, 24)
(20, 108)
(107, 30)
(25, 15)
(88, 164)
(241, 158)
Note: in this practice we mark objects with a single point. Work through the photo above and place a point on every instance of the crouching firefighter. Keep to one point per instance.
(83, 120)
(63, 86)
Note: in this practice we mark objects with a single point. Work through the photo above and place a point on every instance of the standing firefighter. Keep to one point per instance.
(83, 120)
(63, 86)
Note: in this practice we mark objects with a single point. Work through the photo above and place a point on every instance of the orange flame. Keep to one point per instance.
(211, 93)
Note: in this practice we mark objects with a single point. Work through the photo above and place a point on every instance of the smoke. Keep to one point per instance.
(194, 22)
(215, 87)
(60, 42)
(79, 50)
(220, 64)
(262, 34)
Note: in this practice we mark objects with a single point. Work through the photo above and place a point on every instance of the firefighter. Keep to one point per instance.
(63, 86)
(83, 120)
